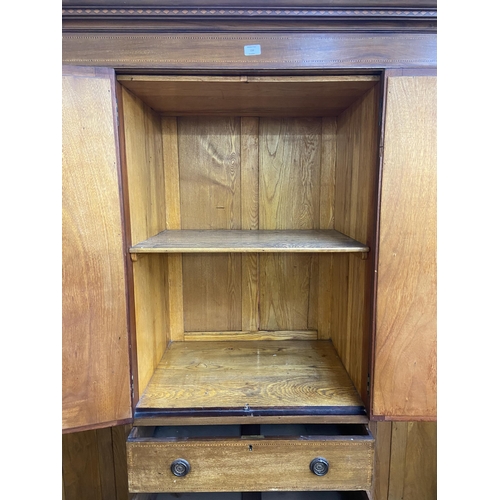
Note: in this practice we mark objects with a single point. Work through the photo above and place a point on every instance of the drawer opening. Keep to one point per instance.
(268, 495)
(297, 431)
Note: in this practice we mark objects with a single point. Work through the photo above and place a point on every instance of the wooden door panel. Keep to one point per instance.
(96, 366)
(405, 343)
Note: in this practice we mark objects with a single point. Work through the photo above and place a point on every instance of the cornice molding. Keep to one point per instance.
(245, 13)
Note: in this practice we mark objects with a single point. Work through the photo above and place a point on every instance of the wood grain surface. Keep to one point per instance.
(94, 464)
(355, 205)
(96, 386)
(405, 344)
(251, 463)
(173, 221)
(82, 454)
(210, 196)
(250, 318)
(262, 96)
(253, 335)
(405, 460)
(289, 173)
(265, 374)
(146, 195)
(226, 241)
(225, 51)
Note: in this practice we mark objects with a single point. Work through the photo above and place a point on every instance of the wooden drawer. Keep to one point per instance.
(250, 458)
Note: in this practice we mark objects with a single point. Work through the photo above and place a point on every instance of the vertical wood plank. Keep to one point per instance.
(398, 460)
(355, 205)
(289, 159)
(119, 435)
(150, 285)
(175, 297)
(250, 173)
(144, 152)
(209, 163)
(405, 343)
(421, 461)
(96, 386)
(314, 293)
(250, 220)
(212, 292)
(171, 169)
(382, 432)
(405, 460)
(289, 170)
(106, 462)
(210, 193)
(284, 291)
(80, 457)
(173, 221)
(327, 179)
(327, 221)
(146, 194)
(95, 464)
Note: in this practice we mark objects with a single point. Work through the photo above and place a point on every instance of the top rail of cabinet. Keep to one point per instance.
(319, 95)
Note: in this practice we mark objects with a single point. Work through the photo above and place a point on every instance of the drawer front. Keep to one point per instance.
(250, 463)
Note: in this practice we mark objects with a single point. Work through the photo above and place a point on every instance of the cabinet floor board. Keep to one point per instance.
(283, 377)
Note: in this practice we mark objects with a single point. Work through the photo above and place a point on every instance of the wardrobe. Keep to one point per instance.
(249, 238)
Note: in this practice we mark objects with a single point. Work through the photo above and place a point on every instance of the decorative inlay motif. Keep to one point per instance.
(229, 12)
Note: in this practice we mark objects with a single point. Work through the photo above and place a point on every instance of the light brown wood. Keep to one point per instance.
(212, 292)
(252, 463)
(266, 374)
(146, 194)
(250, 221)
(150, 292)
(405, 343)
(405, 460)
(249, 96)
(398, 459)
(289, 161)
(252, 335)
(382, 432)
(324, 285)
(420, 478)
(210, 173)
(144, 153)
(173, 221)
(355, 204)
(227, 241)
(96, 386)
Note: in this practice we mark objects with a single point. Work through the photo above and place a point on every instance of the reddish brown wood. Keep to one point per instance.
(225, 51)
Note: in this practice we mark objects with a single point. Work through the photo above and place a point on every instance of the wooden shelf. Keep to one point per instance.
(225, 241)
(250, 378)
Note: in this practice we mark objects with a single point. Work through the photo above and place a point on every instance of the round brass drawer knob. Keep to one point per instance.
(180, 467)
(319, 466)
